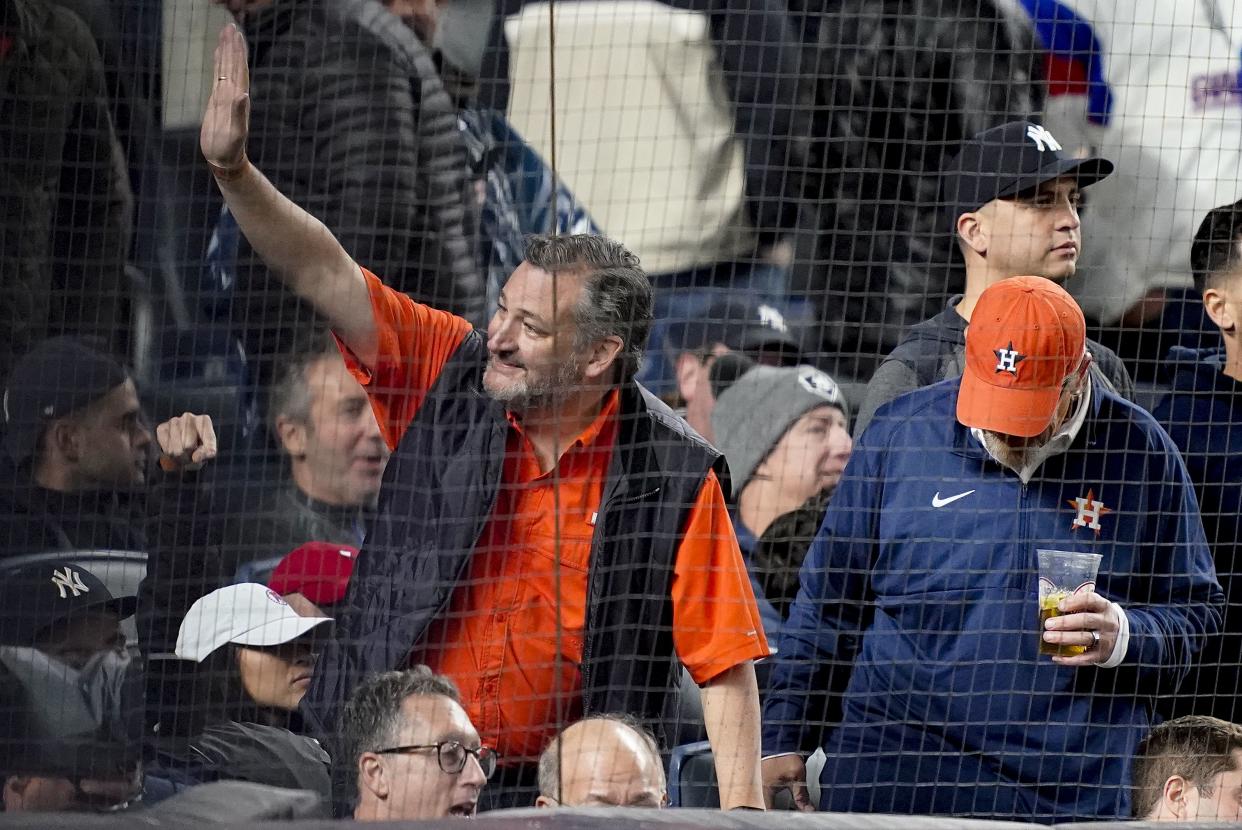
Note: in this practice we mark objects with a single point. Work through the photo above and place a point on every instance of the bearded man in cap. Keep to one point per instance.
(78, 455)
(924, 577)
(1013, 198)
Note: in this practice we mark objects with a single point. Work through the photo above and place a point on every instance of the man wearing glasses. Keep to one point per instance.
(416, 755)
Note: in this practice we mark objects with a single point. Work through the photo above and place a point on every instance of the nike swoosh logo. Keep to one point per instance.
(939, 502)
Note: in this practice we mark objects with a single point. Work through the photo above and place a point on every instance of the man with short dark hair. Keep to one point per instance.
(1189, 769)
(550, 536)
(321, 418)
(602, 761)
(1203, 415)
(1013, 196)
(963, 698)
(411, 750)
(77, 452)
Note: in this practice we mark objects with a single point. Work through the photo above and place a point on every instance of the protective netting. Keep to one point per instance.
(450, 404)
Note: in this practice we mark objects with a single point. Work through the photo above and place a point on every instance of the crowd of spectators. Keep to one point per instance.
(529, 506)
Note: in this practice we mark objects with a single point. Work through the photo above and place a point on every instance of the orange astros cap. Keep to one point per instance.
(1026, 336)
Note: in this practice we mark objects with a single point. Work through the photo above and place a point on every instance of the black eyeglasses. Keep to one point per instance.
(451, 755)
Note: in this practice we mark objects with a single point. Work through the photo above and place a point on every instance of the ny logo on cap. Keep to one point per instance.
(1007, 359)
(67, 580)
(1042, 138)
(773, 319)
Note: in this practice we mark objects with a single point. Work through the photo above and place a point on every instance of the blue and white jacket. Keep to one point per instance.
(923, 576)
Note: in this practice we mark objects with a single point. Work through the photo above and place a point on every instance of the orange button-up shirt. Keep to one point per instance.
(512, 636)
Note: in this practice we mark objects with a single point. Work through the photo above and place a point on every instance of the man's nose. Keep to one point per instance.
(500, 336)
(472, 773)
(1068, 217)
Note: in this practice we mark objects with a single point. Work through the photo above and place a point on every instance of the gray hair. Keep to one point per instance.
(372, 717)
(616, 297)
(290, 395)
(550, 760)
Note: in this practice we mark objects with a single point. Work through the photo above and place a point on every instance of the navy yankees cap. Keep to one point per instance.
(37, 595)
(1008, 160)
(742, 323)
(56, 378)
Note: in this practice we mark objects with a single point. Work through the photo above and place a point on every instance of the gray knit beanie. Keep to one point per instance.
(753, 414)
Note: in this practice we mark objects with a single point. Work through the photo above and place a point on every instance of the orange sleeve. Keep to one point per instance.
(415, 341)
(716, 623)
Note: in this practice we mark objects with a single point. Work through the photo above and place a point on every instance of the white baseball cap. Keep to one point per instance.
(248, 614)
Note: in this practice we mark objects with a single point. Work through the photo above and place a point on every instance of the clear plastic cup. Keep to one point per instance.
(1061, 574)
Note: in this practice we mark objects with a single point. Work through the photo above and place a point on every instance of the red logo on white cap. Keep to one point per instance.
(275, 597)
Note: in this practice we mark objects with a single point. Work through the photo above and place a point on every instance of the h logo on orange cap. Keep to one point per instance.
(1007, 359)
(1014, 389)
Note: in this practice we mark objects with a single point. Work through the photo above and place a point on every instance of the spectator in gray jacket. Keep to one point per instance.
(1013, 196)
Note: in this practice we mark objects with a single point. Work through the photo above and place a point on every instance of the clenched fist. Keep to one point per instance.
(187, 442)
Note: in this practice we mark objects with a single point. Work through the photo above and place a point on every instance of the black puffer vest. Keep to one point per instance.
(439, 492)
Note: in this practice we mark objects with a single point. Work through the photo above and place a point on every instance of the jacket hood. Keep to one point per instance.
(1197, 370)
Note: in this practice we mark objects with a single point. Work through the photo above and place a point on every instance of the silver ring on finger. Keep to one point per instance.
(222, 78)
(1095, 640)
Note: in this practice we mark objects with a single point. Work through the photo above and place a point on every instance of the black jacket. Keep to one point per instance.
(351, 121)
(899, 84)
(1203, 414)
(439, 491)
(234, 751)
(65, 214)
(36, 520)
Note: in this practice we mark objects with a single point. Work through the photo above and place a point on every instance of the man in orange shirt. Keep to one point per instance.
(550, 536)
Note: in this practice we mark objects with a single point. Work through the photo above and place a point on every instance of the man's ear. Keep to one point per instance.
(544, 801)
(603, 356)
(64, 439)
(1216, 304)
(292, 434)
(1174, 800)
(972, 231)
(372, 777)
(687, 370)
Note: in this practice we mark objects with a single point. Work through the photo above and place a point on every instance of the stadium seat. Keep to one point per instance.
(692, 778)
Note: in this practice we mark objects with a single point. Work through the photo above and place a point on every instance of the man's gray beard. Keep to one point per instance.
(1014, 459)
(547, 394)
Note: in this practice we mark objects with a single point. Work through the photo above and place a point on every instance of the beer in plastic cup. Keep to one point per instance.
(1062, 573)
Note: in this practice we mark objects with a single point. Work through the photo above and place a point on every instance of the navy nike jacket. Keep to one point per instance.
(923, 578)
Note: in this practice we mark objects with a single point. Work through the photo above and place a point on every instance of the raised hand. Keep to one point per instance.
(226, 124)
(187, 442)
